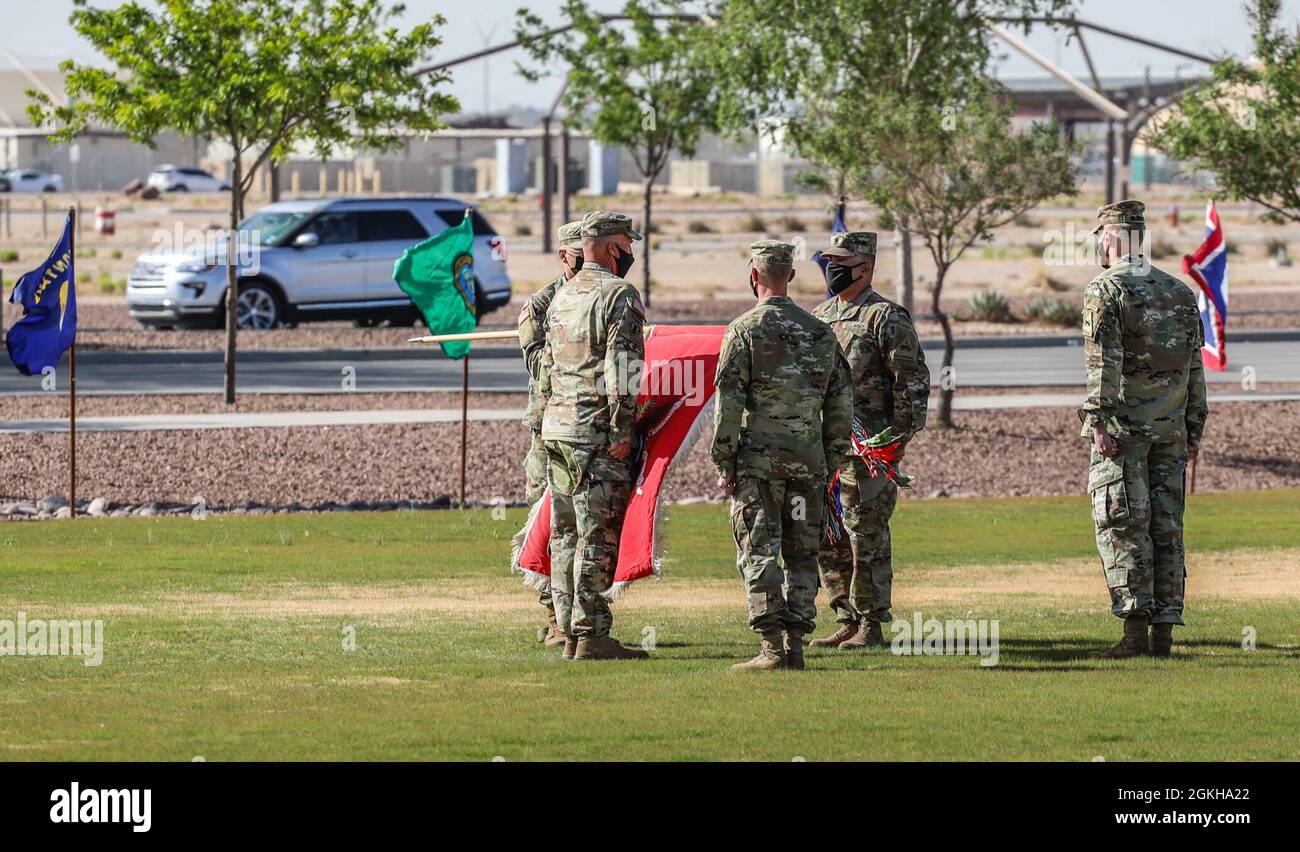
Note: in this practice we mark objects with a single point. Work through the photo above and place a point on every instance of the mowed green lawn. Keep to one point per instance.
(402, 636)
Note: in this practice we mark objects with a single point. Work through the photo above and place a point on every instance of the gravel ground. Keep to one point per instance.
(999, 453)
(54, 406)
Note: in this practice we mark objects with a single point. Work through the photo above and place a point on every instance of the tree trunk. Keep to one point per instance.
(947, 378)
(232, 274)
(645, 254)
(903, 250)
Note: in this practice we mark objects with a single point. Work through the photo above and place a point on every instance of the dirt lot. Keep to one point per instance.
(994, 453)
(697, 262)
(698, 267)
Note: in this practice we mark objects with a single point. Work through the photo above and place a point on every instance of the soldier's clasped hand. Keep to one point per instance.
(1105, 443)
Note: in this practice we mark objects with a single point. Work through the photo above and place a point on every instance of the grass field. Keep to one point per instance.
(228, 639)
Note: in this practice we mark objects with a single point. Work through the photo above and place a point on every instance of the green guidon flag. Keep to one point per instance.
(438, 275)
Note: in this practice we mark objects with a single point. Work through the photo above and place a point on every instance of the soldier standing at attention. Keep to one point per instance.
(595, 348)
(782, 426)
(532, 339)
(1145, 414)
(891, 387)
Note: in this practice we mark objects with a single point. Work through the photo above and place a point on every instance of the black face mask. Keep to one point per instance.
(753, 287)
(623, 263)
(577, 263)
(840, 278)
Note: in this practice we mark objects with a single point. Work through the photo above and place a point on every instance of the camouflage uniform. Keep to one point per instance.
(532, 340)
(594, 337)
(1146, 387)
(891, 387)
(783, 419)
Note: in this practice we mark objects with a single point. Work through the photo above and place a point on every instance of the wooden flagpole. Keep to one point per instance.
(72, 430)
(466, 335)
(481, 335)
(72, 376)
(464, 421)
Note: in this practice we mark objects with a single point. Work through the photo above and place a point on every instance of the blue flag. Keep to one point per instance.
(837, 227)
(48, 295)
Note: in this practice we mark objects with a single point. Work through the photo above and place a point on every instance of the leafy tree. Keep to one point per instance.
(896, 101)
(1245, 124)
(820, 63)
(262, 76)
(641, 85)
(959, 174)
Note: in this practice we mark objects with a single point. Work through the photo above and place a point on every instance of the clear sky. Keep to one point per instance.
(39, 34)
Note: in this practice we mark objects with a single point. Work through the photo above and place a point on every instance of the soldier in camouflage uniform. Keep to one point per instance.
(782, 425)
(532, 340)
(1145, 413)
(891, 387)
(595, 346)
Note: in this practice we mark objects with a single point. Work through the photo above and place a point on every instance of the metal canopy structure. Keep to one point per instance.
(1125, 108)
(548, 184)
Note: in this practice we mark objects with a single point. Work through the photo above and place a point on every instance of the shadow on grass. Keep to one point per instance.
(1071, 653)
(1075, 654)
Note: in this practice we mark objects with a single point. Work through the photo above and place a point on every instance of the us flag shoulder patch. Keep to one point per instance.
(1090, 323)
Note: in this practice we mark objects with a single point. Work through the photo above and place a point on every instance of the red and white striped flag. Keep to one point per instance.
(1208, 267)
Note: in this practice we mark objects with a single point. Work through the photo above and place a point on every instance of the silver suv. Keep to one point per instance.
(323, 259)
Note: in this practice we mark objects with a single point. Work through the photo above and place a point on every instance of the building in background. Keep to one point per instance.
(103, 159)
(500, 155)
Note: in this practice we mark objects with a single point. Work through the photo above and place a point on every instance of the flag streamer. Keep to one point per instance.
(880, 453)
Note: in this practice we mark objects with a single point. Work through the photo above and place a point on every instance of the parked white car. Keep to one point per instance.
(313, 260)
(185, 179)
(27, 180)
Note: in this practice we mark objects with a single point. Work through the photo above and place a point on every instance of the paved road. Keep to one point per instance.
(979, 363)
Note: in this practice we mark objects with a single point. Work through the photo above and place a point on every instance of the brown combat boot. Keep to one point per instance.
(869, 635)
(794, 650)
(770, 657)
(570, 647)
(1162, 640)
(1135, 642)
(554, 635)
(846, 630)
(606, 648)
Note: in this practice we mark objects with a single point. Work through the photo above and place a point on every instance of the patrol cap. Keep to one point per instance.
(569, 235)
(1128, 213)
(851, 243)
(772, 251)
(602, 223)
